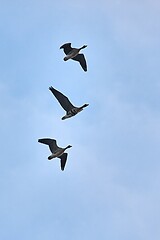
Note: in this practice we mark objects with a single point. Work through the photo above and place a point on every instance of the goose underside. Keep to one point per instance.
(70, 55)
(51, 156)
(71, 113)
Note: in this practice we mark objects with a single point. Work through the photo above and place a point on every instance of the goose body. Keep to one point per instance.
(73, 53)
(70, 109)
(55, 150)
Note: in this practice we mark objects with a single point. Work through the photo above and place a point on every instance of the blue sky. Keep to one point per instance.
(110, 187)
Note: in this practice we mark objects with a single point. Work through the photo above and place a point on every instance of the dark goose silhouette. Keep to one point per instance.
(66, 104)
(55, 150)
(73, 53)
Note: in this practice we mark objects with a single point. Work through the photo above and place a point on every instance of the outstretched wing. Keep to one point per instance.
(50, 142)
(81, 59)
(62, 99)
(63, 158)
(66, 48)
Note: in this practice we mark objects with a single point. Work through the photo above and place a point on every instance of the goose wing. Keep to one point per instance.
(63, 158)
(50, 142)
(81, 59)
(66, 48)
(63, 100)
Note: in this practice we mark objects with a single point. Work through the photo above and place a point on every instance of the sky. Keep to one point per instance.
(110, 186)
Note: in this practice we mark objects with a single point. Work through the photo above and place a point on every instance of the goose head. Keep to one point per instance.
(85, 105)
(84, 46)
(69, 146)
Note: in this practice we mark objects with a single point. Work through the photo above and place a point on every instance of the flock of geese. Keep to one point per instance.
(71, 110)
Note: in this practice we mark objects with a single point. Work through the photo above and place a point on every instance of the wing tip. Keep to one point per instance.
(64, 45)
(51, 88)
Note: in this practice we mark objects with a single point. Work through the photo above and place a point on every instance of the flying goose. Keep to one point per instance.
(56, 151)
(66, 104)
(73, 53)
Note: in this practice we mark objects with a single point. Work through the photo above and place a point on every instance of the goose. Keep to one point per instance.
(66, 104)
(73, 53)
(56, 151)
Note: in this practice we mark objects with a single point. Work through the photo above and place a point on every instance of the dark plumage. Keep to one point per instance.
(56, 151)
(70, 109)
(73, 53)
